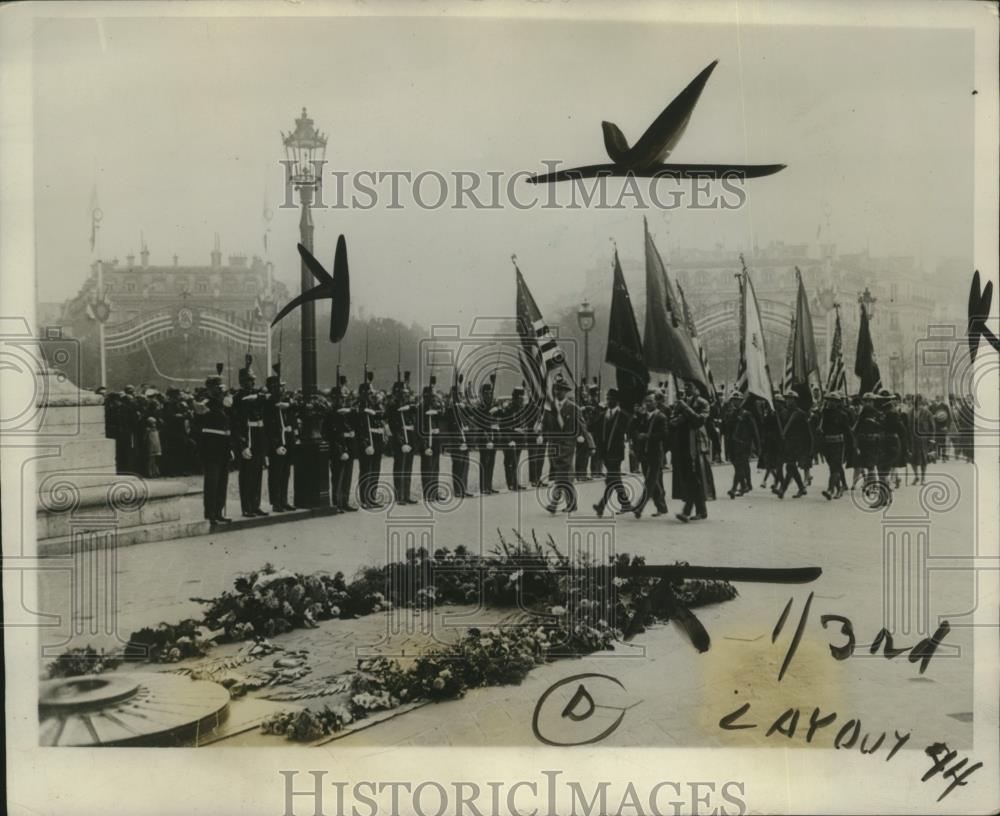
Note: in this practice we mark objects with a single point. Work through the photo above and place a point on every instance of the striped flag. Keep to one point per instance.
(542, 359)
(787, 376)
(836, 379)
(702, 354)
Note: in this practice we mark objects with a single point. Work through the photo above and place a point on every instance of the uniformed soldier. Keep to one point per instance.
(921, 438)
(370, 442)
(837, 437)
(401, 412)
(796, 447)
(429, 436)
(460, 432)
(344, 436)
(487, 419)
(215, 446)
(652, 436)
(894, 451)
(251, 442)
(941, 412)
(742, 439)
(280, 430)
(514, 424)
(536, 441)
(868, 433)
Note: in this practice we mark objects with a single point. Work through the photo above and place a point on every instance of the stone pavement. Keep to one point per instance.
(879, 568)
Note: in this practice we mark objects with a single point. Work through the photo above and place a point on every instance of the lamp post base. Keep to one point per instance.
(312, 474)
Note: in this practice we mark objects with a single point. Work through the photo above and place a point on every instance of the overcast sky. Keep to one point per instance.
(178, 123)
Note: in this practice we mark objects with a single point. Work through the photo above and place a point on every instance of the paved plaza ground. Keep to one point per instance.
(879, 569)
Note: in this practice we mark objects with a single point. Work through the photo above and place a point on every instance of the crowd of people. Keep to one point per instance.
(553, 442)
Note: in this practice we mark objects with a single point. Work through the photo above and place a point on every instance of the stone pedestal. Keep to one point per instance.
(83, 504)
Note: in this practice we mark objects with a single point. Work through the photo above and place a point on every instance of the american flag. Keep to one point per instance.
(542, 359)
(836, 379)
(787, 375)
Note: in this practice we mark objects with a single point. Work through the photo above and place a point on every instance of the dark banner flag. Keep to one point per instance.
(805, 361)
(624, 344)
(667, 347)
(865, 367)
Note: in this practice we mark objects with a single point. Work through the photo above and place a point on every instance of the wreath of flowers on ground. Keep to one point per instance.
(580, 607)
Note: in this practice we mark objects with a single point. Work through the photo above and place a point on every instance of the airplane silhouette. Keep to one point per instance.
(336, 287)
(646, 157)
(979, 311)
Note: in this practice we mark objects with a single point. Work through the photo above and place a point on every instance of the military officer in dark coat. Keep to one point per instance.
(213, 423)
(251, 440)
(280, 430)
(609, 429)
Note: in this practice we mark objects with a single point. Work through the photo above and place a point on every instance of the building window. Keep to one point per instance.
(201, 286)
(130, 287)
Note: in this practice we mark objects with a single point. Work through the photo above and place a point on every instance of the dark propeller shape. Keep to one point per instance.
(979, 311)
(336, 287)
(646, 157)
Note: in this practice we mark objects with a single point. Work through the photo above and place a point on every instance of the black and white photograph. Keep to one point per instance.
(536, 407)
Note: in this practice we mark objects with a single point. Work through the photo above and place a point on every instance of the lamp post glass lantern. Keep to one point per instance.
(586, 321)
(305, 155)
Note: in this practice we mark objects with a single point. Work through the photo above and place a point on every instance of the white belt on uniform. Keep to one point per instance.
(215, 431)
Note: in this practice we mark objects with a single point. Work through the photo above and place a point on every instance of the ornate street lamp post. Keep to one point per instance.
(305, 149)
(585, 319)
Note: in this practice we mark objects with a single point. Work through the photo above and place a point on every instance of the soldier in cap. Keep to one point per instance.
(562, 426)
(515, 425)
(487, 419)
(609, 429)
(280, 429)
(460, 432)
(835, 431)
(894, 449)
(401, 412)
(742, 439)
(342, 435)
(212, 421)
(868, 433)
(370, 441)
(796, 437)
(251, 442)
(428, 433)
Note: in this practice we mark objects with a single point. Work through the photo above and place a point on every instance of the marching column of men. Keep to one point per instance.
(879, 435)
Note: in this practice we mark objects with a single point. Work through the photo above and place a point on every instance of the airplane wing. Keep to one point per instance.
(340, 311)
(662, 171)
(666, 130)
(316, 293)
(314, 266)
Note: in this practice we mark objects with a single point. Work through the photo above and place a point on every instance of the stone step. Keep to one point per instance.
(145, 534)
